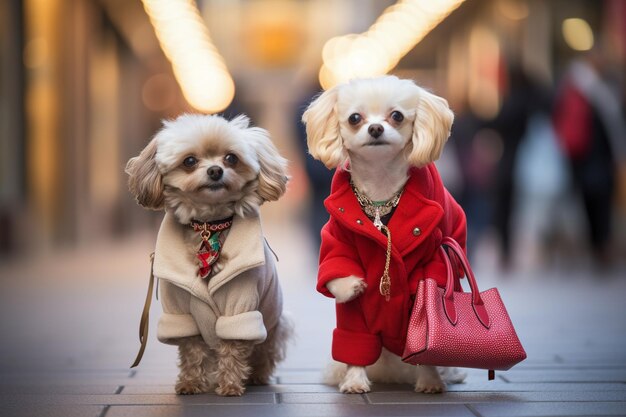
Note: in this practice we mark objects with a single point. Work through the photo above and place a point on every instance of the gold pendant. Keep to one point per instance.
(385, 286)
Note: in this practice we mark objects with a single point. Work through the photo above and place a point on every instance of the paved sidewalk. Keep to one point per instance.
(69, 331)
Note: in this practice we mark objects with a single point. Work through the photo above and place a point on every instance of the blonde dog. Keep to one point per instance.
(388, 213)
(221, 297)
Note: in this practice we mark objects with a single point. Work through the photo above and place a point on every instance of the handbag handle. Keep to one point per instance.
(448, 297)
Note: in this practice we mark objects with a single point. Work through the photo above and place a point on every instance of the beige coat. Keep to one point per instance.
(243, 301)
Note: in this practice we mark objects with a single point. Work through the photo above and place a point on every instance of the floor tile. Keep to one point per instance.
(58, 389)
(572, 375)
(26, 410)
(275, 388)
(314, 377)
(162, 399)
(297, 410)
(495, 386)
(551, 409)
(496, 397)
(321, 398)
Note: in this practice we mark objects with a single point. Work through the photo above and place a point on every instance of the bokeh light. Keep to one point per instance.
(377, 51)
(578, 34)
(199, 68)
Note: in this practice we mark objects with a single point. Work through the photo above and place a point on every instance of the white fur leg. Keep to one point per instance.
(334, 373)
(452, 375)
(346, 289)
(355, 381)
(428, 380)
(389, 369)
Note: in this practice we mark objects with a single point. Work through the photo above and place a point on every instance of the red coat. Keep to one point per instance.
(351, 245)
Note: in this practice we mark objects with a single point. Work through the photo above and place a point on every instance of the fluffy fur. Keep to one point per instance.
(412, 126)
(158, 178)
(389, 369)
(163, 177)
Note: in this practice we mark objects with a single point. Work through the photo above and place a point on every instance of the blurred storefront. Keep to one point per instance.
(74, 105)
(84, 85)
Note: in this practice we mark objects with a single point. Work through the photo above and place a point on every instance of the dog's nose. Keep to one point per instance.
(215, 172)
(376, 130)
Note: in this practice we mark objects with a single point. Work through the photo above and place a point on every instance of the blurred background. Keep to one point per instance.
(84, 85)
(536, 159)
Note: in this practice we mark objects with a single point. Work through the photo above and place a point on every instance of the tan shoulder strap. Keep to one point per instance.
(145, 316)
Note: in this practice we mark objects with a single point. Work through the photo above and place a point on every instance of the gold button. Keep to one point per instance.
(359, 221)
(417, 231)
(341, 209)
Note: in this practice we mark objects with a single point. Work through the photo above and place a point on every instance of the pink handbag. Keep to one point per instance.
(449, 327)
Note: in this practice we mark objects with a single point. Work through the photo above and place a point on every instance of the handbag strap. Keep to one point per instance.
(453, 246)
(145, 316)
(477, 303)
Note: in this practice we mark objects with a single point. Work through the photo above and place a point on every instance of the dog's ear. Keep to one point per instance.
(273, 167)
(431, 128)
(322, 130)
(145, 180)
(241, 121)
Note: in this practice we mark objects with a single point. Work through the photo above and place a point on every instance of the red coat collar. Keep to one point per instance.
(414, 211)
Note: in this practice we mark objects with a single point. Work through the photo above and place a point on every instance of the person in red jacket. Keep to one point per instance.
(388, 214)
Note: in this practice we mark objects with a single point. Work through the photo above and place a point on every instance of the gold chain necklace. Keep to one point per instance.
(377, 210)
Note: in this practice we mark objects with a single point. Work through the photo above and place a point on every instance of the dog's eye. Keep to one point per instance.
(397, 116)
(190, 161)
(231, 159)
(354, 119)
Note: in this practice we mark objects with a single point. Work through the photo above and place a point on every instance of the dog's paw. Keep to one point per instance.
(230, 390)
(346, 289)
(354, 388)
(355, 381)
(189, 388)
(429, 381)
(434, 388)
(429, 385)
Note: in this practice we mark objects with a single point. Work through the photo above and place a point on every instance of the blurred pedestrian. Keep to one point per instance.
(522, 98)
(476, 172)
(319, 176)
(588, 120)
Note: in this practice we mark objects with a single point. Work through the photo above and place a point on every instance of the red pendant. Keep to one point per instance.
(207, 257)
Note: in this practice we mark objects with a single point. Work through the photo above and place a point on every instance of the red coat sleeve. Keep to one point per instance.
(338, 258)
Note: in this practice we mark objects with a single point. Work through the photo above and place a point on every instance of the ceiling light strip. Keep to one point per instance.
(198, 67)
(392, 36)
